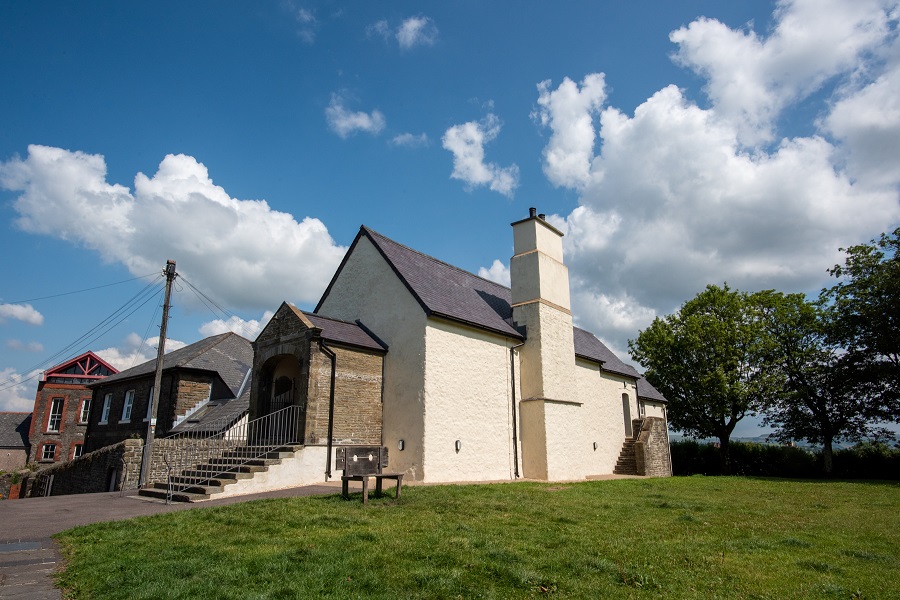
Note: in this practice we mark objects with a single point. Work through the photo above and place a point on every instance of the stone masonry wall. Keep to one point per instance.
(93, 472)
(192, 390)
(651, 449)
(71, 429)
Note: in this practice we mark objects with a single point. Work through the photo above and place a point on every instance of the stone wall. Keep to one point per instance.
(192, 390)
(108, 469)
(651, 450)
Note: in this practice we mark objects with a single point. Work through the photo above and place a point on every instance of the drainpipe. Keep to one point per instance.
(512, 368)
(328, 352)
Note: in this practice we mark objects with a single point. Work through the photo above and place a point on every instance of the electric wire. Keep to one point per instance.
(223, 313)
(147, 293)
(80, 291)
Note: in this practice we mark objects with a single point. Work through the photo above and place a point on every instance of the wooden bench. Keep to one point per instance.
(359, 463)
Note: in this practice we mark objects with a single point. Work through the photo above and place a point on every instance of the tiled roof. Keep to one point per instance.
(647, 391)
(447, 291)
(227, 354)
(444, 290)
(14, 428)
(342, 332)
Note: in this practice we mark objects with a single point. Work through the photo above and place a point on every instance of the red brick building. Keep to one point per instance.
(62, 408)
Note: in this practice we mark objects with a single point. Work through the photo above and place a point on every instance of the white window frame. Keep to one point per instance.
(44, 452)
(77, 451)
(127, 407)
(107, 404)
(85, 413)
(58, 416)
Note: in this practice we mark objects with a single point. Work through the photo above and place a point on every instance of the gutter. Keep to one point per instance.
(330, 354)
(515, 423)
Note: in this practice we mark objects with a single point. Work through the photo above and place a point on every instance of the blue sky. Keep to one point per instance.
(676, 143)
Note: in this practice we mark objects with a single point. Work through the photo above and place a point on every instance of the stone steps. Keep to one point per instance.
(207, 479)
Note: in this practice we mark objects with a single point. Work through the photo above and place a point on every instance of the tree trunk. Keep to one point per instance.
(725, 454)
(827, 453)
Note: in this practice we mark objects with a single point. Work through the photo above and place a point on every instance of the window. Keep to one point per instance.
(149, 404)
(129, 404)
(56, 410)
(107, 402)
(77, 450)
(85, 410)
(48, 452)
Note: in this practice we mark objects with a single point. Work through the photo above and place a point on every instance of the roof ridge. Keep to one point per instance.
(318, 316)
(437, 260)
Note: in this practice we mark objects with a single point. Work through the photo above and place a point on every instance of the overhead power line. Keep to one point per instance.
(106, 285)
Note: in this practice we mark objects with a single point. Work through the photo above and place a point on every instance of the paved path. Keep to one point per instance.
(29, 557)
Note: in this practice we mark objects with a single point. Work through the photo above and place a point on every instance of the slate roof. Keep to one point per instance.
(14, 428)
(447, 291)
(648, 392)
(441, 289)
(217, 416)
(227, 354)
(343, 332)
(588, 346)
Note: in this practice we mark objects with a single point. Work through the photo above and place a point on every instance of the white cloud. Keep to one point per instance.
(17, 391)
(498, 273)
(409, 140)
(24, 346)
(417, 31)
(676, 197)
(466, 142)
(412, 32)
(134, 351)
(569, 113)
(751, 79)
(246, 328)
(345, 122)
(222, 245)
(20, 312)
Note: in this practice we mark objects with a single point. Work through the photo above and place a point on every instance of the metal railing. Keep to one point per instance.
(195, 457)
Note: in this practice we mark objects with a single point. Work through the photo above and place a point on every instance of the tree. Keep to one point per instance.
(823, 397)
(708, 360)
(864, 314)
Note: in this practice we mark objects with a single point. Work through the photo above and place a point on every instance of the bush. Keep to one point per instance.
(867, 460)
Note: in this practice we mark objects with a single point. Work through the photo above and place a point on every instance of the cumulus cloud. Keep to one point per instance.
(21, 312)
(248, 328)
(24, 346)
(17, 391)
(223, 245)
(466, 142)
(409, 140)
(135, 350)
(676, 196)
(751, 79)
(413, 31)
(345, 122)
(569, 111)
(498, 273)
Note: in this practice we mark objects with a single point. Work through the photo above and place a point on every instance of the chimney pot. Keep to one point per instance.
(542, 217)
(532, 212)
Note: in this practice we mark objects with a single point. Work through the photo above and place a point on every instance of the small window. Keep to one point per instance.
(129, 404)
(77, 450)
(107, 403)
(56, 410)
(149, 404)
(85, 411)
(48, 452)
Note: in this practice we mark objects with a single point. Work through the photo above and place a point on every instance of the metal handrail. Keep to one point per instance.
(196, 459)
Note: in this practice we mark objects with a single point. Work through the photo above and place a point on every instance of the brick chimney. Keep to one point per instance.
(540, 301)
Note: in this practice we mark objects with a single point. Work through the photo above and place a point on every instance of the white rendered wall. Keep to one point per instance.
(654, 409)
(370, 291)
(306, 467)
(603, 417)
(468, 397)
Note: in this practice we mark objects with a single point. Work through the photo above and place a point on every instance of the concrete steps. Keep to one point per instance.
(627, 463)
(203, 481)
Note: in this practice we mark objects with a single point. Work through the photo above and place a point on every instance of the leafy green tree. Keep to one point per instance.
(864, 310)
(709, 362)
(823, 397)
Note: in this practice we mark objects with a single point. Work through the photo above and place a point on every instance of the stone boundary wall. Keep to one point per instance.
(651, 449)
(185, 453)
(108, 468)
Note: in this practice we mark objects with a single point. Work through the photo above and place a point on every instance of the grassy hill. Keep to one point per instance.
(690, 537)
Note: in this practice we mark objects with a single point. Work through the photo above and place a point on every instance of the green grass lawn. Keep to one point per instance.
(692, 537)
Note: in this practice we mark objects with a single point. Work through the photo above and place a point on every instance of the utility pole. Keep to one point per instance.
(170, 274)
